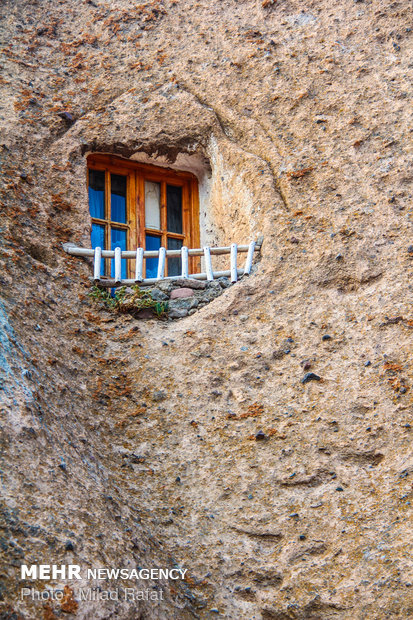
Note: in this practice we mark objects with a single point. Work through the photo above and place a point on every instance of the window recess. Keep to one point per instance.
(137, 205)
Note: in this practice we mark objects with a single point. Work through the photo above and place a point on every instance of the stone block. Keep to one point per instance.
(197, 285)
(224, 282)
(180, 293)
(209, 294)
(158, 295)
(214, 285)
(146, 313)
(165, 286)
(177, 313)
(187, 303)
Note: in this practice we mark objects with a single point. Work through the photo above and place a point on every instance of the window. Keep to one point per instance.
(137, 205)
(107, 205)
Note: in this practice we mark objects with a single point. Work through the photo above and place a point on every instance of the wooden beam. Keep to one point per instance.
(118, 164)
(131, 219)
(195, 263)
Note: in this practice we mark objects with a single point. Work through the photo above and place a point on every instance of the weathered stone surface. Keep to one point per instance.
(310, 376)
(179, 293)
(178, 313)
(209, 294)
(296, 117)
(165, 286)
(188, 303)
(146, 313)
(214, 285)
(224, 282)
(158, 395)
(190, 283)
(158, 295)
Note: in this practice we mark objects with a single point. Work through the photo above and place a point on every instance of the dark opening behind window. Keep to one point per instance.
(174, 208)
(174, 264)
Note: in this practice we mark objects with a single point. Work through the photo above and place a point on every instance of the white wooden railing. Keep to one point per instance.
(162, 254)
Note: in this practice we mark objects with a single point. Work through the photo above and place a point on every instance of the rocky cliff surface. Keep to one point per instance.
(263, 443)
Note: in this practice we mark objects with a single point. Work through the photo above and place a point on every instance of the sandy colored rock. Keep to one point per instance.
(296, 119)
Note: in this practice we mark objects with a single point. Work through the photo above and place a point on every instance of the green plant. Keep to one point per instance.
(120, 294)
(161, 308)
(103, 296)
(132, 303)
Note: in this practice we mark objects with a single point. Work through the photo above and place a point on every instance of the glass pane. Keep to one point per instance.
(97, 193)
(174, 264)
(174, 208)
(152, 205)
(98, 240)
(152, 243)
(118, 198)
(118, 240)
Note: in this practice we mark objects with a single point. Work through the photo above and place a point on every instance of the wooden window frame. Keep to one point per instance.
(137, 173)
(107, 222)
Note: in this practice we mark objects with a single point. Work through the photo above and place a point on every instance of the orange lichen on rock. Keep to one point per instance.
(273, 432)
(298, 174)
(253, 411)
(391, 367)
(48, 613)
(69, 605)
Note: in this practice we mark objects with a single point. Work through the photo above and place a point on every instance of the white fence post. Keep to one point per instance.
(161, 263)
(118, 265)
(139, 265)
(208, 263)
(184, 259)
(250, 256)
(97, 264)
(139, 255)
(234, 274)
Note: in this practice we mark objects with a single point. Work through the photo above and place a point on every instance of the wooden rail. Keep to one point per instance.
(162, 254)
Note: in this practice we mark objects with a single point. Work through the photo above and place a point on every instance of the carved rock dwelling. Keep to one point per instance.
(262, 442)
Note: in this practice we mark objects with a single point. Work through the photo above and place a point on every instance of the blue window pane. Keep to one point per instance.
(118, 240)
(97, 193)
(174, 264)
(152, 243)
(118, 198)
(98, 240)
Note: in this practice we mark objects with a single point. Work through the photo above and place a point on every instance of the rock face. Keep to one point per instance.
(283, 497)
